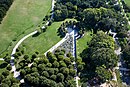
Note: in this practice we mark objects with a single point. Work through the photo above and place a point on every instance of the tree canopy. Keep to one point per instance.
(100, 57)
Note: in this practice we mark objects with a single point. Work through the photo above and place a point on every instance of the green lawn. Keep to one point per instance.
(82, 43)
(127, 2)
(23, 15)
(44, 41)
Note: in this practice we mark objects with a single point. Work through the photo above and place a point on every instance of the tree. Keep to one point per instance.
(103, 74)
(15, 85)
(22, 72)
(26, 57)
(56, 70)
(69, 54)
(45, 73)
(7, 81)
(60, 77)
(34, 69)
(49, 65)
(101, 51)
(4, 85)
(7, 59)
(41, 67)
(53, 77)
(27, 69)
(55, 64)
(36, 81)
(126, 55)
(9, 67)
(60, 84)
(80, 68)
(50, 71)
(47, 82)
(105, 57)
(4, 6)
(13, 80)
(1, 78)
(5, 73)
(67, 61)
(62, 64)
(60, 57)
(28, 60)
(66, 71)
(102, 40)
(99, 58)
(53, 83)
(28, 78)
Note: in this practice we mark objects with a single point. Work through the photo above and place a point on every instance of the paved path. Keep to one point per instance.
(72, 34)
(17, 45)
(16, 74)
(59, 43)
(1, 59)
(117, 52)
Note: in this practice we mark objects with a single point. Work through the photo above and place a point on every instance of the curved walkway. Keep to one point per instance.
(17, 45)
(1, 59)
(16, 74)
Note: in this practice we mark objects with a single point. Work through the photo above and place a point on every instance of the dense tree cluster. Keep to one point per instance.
(92, 14)
(71, 8)
(99, 57)
(126, 55)
(53, 70)
(8, 81)
(102, 19)
(4, 6)
(63, 28)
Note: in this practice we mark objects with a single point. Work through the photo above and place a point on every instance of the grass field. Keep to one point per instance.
(23, 15)
(127, 2)
(44, 41)
(82, 43)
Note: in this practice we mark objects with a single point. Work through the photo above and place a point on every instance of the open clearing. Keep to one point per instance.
(44, 41)
(23, 15)
(82, 42)
(127, 2)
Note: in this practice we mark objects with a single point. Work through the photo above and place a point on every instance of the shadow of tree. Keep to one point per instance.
(3, 65)
(37, 34)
